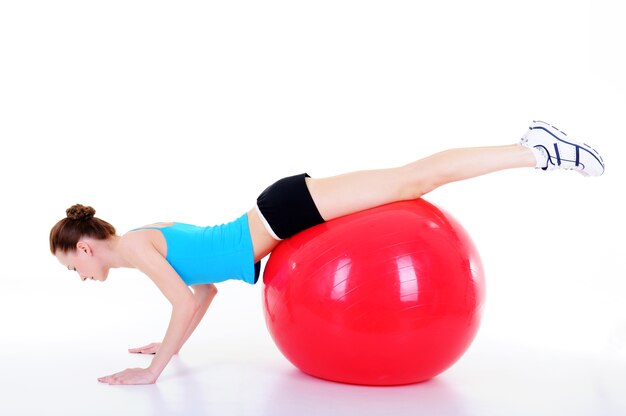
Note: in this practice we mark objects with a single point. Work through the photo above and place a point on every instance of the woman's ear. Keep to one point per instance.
(83, 247)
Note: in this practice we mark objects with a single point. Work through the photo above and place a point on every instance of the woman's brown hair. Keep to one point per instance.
(80, 222)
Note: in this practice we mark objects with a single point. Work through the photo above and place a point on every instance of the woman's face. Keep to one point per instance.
(84, 262)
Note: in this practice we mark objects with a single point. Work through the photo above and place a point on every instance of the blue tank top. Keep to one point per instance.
(210, 254)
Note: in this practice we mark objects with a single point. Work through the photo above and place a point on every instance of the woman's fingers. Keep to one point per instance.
(106, 379)
(130, 376)
(146, 349)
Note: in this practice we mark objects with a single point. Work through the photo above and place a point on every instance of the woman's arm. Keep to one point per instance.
(204, 294)
(184, 308)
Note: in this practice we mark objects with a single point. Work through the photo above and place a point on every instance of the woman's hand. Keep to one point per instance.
(146, 349)
(130, 376)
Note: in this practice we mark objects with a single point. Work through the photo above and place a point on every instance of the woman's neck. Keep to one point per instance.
(112, 253)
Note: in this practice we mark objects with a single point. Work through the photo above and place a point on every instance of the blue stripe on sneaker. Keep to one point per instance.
(551, 134)
(558, 155)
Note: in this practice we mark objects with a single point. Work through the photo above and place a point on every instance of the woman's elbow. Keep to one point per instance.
(207, 289)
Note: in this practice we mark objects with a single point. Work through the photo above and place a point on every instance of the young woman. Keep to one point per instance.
(178, 256)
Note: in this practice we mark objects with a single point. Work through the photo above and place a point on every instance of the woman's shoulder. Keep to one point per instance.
(155, 225)
(150, 234)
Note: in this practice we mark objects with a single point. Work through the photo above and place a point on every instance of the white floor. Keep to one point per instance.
(488, 380)
(59, 335)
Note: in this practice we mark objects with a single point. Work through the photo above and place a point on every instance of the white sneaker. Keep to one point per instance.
(554, 150)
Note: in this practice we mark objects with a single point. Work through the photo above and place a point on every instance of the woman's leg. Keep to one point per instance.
(543, 146)
(340, 195)
(351, 192)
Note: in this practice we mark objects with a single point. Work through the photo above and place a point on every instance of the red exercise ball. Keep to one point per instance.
(387, 296)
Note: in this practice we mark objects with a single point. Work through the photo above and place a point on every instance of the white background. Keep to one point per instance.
(185, 111)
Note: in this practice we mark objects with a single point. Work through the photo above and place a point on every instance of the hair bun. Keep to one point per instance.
(80, 212)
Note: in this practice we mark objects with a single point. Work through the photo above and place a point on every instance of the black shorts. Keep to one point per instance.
(286, 207)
